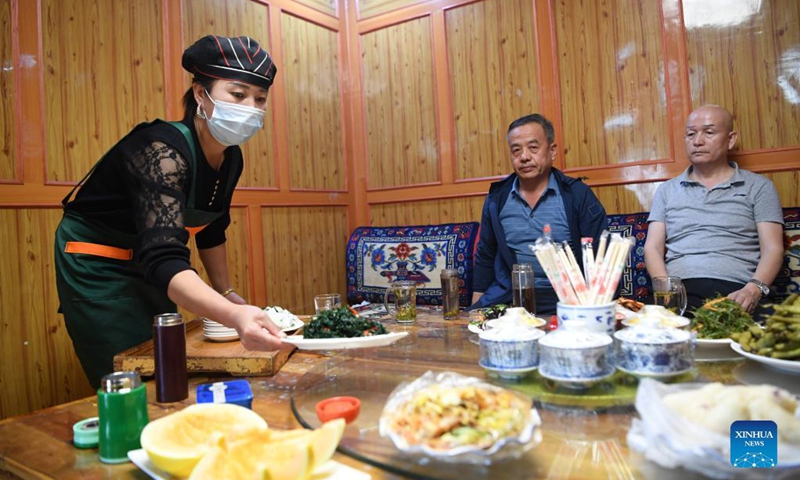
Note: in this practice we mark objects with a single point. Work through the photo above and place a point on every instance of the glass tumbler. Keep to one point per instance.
(522, 286)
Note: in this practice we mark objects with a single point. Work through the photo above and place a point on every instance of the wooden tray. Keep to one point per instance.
(206, 356)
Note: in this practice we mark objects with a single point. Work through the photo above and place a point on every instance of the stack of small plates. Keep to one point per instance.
(217, 332)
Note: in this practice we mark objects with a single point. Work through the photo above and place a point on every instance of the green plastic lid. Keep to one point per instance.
(86, 432)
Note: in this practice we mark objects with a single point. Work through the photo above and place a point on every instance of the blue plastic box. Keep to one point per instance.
(231, 391)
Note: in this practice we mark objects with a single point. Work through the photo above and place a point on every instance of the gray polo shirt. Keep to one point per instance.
(712, 233)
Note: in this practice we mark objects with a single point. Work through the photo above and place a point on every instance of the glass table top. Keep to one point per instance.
(584, 432)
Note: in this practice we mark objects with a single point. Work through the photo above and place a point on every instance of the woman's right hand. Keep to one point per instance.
(256, 330)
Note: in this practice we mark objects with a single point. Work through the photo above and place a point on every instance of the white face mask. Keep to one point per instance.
(233, 124)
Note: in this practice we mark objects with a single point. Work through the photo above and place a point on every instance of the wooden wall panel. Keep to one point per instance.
(400, 114)
(38, 367)
(631, 198)
(326, 6)
(304, 250)
(788, 186)
(103, 74)
(426, 212)
(748, 59)
(233, 18)
(493, 77)
(370, 8)
(612, 82)
(313, 104)
(8, 124)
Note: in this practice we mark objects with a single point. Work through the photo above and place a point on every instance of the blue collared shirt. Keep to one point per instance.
(524, 224)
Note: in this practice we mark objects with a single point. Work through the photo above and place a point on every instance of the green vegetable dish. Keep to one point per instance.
(720, 318)
(341, 323)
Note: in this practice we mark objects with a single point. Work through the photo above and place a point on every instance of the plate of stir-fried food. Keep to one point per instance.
(453, 417)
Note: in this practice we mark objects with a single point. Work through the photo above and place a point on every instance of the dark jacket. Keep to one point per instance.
(493, 259)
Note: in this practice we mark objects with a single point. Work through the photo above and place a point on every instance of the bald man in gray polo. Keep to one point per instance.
(717, 227)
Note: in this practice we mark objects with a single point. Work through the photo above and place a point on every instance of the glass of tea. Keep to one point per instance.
(670, 293)
(405, 301)
(522, 286)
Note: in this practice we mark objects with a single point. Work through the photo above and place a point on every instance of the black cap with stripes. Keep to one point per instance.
(230, 58)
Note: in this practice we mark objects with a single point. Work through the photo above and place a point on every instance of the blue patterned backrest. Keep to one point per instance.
(635, 282)
(788, 280)
(377, 256)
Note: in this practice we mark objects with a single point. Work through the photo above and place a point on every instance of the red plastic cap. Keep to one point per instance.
(338, 407)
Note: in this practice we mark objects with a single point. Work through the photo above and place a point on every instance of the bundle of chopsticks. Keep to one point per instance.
(601, 273)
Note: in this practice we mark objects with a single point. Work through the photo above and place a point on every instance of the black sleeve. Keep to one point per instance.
(485, 255)
(157, 180)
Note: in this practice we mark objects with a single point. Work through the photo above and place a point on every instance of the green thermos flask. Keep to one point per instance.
(122, 407)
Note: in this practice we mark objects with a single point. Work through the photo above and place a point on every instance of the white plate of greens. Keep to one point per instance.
(344, 343)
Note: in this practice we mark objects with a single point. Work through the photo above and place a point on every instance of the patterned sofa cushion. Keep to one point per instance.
(788, 280)
(377, 256)
(635, 282)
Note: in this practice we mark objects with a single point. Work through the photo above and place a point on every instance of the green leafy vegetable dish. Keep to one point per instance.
(341, 323)
(720, 318)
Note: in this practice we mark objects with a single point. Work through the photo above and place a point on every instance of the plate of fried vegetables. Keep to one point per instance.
(456, 418)
(341, 328)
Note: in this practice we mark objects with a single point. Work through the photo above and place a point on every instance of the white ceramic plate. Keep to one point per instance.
(790, 366)
(222, 338)
(344, 343)
(653, 374)
(508, 373)
(294, 325)
(331, 470)
(713, 342)
(576, 382)
(682, 322)
(474, 328)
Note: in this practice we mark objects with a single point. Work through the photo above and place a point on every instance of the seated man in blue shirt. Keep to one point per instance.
(518, 207)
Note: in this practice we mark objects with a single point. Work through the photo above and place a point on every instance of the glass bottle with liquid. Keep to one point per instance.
(450, 293)
(522, 287)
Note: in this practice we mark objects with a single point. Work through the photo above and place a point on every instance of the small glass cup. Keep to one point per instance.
(327, 301)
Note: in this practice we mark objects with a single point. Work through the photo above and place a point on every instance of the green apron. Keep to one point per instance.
(107, 305)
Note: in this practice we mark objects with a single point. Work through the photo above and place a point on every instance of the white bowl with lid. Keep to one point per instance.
(576, 356)
(510, 346)
(654, 352)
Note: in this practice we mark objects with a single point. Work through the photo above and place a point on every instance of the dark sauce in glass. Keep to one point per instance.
(525, 297)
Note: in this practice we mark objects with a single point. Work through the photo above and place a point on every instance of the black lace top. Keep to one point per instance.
(142, 187)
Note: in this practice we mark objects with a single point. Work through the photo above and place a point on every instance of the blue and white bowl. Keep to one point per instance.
(654, 352)
(510, 347)
(576, 356)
